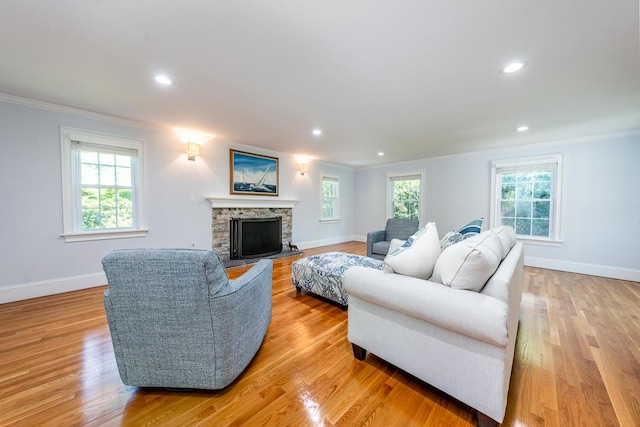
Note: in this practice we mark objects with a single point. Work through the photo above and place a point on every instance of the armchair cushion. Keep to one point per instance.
(381, 248)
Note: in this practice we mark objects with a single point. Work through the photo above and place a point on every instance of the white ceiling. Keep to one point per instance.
(413, 79)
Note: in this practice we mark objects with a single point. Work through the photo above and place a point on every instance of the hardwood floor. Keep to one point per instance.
(577, 364)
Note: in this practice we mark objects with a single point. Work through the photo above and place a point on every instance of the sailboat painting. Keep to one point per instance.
(253, 174)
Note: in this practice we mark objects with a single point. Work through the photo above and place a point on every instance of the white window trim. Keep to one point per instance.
(391, 176)
(335, 178)
(72, 231)
(556, 239)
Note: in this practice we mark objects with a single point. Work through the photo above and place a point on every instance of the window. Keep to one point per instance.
(330, 199)
(404, 196)
(526, 194)
(102, 186)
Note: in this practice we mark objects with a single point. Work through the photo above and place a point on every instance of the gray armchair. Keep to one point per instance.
(378, 241)
(177, 321)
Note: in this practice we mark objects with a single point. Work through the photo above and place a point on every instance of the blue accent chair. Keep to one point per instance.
(378, 241)
(178, 322)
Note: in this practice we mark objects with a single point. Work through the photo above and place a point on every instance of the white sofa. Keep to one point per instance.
(459, 341)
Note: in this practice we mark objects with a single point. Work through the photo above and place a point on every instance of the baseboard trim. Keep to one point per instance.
(50, 287)
(67, 284)
(325, 242)
(582, 268)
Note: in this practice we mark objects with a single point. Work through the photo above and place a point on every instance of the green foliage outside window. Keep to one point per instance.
(525, 202)
(329, 199)
(406, 199)
(107, 197)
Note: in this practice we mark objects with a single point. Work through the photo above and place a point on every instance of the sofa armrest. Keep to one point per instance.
(373, 237)
(478, 316)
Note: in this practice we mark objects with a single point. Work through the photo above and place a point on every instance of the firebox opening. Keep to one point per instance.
(255, 237)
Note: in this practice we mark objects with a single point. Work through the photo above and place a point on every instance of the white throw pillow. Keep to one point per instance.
(395, 244)
(470, 263)
(417, 256)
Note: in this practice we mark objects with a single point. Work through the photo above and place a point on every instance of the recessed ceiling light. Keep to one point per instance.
(523, 128)
(513, 67)
(380, 153)
(163, 80)
(317, 132)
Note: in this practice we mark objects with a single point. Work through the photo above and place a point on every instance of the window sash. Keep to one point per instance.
(534, 214)
(520, 220)
(101, 148)
(75, 141)
(413, 206)
(330, 208)
(527, 167)
(81, 188)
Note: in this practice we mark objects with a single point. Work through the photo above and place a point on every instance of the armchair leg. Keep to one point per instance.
(485, 420)
(358, 352)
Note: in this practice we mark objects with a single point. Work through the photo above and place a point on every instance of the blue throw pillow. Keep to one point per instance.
(473, 227)
(453, 237)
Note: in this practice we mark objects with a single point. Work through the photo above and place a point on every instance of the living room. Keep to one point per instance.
(599, 225)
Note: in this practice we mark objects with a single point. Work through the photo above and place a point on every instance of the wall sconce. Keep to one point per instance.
(303, 167)
(193, 150)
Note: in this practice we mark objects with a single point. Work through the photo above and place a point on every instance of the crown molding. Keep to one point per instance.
(41, 105)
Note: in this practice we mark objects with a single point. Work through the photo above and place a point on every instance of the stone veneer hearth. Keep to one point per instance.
(223, 209)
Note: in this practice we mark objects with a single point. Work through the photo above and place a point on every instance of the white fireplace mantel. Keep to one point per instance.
(251, 202)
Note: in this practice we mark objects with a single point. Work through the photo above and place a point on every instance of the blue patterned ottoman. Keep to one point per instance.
(322, 274)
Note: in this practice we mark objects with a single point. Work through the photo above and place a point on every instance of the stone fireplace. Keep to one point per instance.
(224, 209)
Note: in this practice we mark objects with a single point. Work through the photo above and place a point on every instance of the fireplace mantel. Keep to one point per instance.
(251, 202)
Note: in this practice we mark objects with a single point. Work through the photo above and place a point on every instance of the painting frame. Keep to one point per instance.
(253, 174)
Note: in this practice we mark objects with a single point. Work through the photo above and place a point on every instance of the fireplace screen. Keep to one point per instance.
(255, 237)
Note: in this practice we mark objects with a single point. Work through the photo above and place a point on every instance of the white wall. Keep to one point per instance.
(601, 207)
(601, 221)
(36, 261)
(311, 232)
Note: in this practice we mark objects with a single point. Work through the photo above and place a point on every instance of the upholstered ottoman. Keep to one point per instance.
(322, 274)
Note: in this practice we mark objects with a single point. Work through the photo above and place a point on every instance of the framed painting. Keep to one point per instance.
(253, 174)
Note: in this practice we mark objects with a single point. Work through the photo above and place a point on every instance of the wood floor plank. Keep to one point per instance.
(577, 363)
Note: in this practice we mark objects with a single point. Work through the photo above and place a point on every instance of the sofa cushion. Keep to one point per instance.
(507, 238)
(470, 263)
(417, 256)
